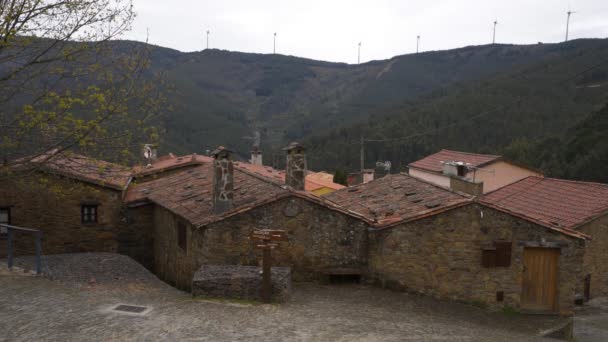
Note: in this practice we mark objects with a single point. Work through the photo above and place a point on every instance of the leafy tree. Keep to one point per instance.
(65, 87)
(341, 177)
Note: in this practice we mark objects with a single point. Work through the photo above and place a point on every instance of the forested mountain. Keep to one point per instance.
(221, 97)
(581, 153)
(492, 98)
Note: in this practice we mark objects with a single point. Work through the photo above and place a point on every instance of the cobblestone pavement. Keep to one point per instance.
(591, 321)
(39, 309)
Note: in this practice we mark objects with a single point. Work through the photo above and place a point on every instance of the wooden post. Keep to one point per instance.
(264, 239)
(266, 280)
(9, 232)
(38, 252)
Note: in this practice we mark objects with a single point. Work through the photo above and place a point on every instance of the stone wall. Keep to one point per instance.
(319, 239)
(135, 236)
(53, 204)
(240, 282)
(596, 256)
(441, 256)
(171, 263)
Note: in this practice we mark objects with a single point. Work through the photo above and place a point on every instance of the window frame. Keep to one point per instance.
(8, 210)
(499, 255)
(95, 214)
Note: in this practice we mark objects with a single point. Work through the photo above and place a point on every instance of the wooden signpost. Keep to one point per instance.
(265, 239)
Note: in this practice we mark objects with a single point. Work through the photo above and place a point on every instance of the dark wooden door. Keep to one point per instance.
(539, 286)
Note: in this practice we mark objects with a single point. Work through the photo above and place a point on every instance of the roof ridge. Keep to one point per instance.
(262, 178)
(470, 153)
(573, 181)
(462, 194)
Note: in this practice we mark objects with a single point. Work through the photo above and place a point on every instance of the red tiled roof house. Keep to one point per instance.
(445, 167)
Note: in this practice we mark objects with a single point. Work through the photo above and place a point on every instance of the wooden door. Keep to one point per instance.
(539, 285)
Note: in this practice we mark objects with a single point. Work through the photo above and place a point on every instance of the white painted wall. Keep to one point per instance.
(431, 177)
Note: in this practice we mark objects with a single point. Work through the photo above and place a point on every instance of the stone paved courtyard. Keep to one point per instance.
(75, 307)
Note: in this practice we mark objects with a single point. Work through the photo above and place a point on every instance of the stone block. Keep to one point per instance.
(240, 282)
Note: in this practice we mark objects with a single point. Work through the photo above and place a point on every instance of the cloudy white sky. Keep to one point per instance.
(331, 29)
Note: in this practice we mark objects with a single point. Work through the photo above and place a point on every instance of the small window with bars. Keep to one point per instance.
(5, 218)
(497, 256)
(182, 236)
(89, 213)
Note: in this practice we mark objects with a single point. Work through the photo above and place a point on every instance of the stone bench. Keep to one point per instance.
(240, 282)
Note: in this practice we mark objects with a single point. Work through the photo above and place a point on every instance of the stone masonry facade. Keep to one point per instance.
(319, 240)
(596, 256)
(53, 204)
(441, 256)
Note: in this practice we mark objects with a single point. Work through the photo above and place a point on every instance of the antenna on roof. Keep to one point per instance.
(385, 165)
(149, 153)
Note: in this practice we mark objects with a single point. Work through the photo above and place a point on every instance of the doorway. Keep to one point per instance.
(539, 283)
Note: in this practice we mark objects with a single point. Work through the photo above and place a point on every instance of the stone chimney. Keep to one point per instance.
(223, 180)
(295, 172)
(256, 156)
(368, 175)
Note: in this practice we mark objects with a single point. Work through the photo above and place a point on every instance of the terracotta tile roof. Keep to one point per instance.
(551, 202)
(433, 162)
(188, 193)
(170, 162)
(396, 198)
(314, 180)
(81, 167)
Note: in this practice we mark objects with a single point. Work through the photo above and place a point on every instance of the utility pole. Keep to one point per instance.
(359, 56)
(494, 34)
(417, 43)
(274, 44)
(362, 156)
(568, 23)
(207, 39)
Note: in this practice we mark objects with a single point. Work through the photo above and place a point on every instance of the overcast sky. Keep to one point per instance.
(331, 29)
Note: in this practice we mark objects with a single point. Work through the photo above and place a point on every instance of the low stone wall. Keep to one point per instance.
(240, 282)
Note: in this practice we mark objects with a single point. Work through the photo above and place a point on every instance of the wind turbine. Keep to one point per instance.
(208, 39)
(359, 54)
(494, 34)
(417, 43)
(274, 44)
(568, 22)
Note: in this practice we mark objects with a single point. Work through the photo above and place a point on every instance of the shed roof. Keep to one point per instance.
(433, 161)
(396, 198)
(79, 167)
(551, 202)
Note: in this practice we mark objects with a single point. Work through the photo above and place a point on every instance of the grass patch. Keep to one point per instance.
(509, 310)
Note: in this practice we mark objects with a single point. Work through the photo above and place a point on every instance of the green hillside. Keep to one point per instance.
(528, 102)
(222, 97)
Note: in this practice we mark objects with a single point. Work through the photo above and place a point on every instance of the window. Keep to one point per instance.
(461, 170)
(182, 236)
(89, 213)
(5, 218)
(497, 256)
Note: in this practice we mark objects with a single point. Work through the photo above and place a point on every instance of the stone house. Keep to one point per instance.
(179, 213)
(445, 167)
(204, 215)
(430, 240)
(567, 206)
(76, 201)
